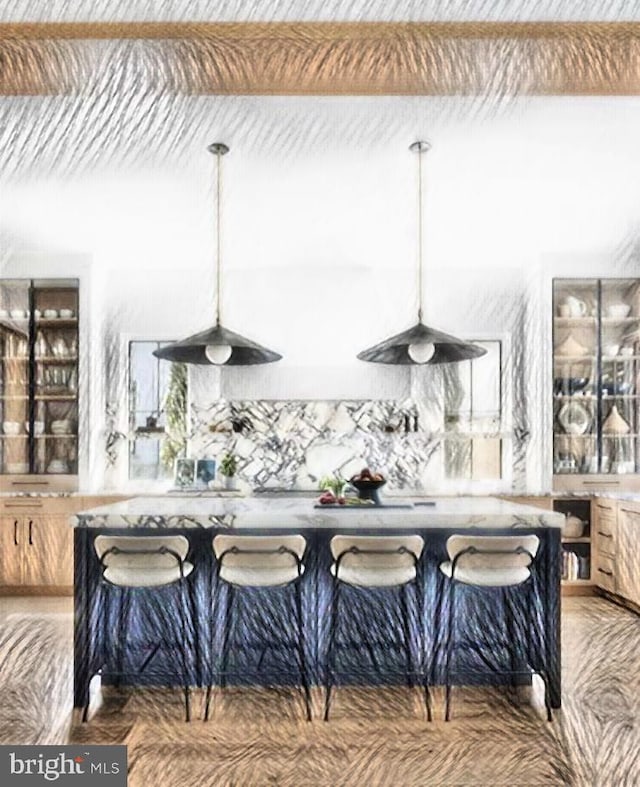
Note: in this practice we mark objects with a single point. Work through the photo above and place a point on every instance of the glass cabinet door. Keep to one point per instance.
(596, 349)
(620, 320)
(39, 376)
(55, 377)
(14, 376)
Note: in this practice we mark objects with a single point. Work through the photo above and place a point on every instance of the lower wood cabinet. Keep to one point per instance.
(628, 552)
(36, 542)
(605, 542)
(36, 551)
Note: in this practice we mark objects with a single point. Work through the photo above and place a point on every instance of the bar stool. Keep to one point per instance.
(492, 562)
(267, 562)
(144, 564)
(374, 562)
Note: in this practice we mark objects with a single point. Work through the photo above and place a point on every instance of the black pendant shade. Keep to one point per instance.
(421, 345)
(447, 349)
(193, 349)
(217, 345)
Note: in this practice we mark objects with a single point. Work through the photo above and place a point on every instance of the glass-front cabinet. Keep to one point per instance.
(39, 377)
(596, 383)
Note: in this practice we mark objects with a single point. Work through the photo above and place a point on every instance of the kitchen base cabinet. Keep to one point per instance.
(628, 553)
(48, 547)
(11, 551)
(605, 544)
(36, 552)
(36, 543)
(617, 545)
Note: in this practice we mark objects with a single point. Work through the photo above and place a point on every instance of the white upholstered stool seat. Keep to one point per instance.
(490, 561)
(143, 561)
(376, 561)
(259, 561)
(494, 577)
(260, 576)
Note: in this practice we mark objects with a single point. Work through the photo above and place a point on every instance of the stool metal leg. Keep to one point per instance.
(424, 667)
(301, 649)
(330, 648)
(510, 629)
(449, 649)
(183, 650)
(212, 671)
(123, 615)
(406, 627)
(226, 632)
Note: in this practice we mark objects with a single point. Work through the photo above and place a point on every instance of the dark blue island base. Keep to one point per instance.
(492, 625)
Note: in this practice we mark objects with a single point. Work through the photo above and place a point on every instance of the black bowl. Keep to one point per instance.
(569, 385)
(367, 489)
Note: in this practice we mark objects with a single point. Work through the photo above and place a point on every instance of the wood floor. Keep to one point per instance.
(374, 737)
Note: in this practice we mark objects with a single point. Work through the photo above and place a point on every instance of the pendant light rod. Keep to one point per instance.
(219, 149)
(420, 147)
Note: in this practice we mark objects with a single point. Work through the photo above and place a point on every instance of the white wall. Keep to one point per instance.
(319, 223)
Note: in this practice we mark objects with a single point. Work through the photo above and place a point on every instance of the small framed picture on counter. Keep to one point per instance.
(205, 471)
(185, 473)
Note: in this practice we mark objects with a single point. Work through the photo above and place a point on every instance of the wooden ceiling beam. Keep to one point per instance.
(334, 58)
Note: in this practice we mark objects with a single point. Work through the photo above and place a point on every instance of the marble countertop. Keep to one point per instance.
(297, 512)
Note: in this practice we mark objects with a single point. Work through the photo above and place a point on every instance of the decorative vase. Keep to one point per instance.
(614, 423)
(228, 482)
(571, 348)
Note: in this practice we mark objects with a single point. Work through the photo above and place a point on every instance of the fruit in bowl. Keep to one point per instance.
(366, 476)
(367, 484)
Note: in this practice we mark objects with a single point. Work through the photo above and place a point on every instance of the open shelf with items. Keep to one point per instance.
(39, 368)
(577, 571)
(584, 581)
(596, 383)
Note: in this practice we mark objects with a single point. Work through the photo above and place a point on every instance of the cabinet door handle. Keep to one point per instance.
(629, 511)
(605, 535)
(608, 573)
(15, 532)
(31, 532)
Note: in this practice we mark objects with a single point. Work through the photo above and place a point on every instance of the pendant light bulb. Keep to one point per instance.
(218, 354)
(421, 352)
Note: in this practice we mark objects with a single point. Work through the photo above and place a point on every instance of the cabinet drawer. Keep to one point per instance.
(40, 505)
(605, 537)
(605, 532)
(38, 483)
(605, 574)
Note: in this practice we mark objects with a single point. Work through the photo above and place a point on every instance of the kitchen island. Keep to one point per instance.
(200, 518)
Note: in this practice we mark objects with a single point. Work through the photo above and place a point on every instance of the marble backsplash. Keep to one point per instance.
(292, 444)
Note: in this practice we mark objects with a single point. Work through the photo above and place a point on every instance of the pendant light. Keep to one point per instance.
(421, 344)
(217, 345)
